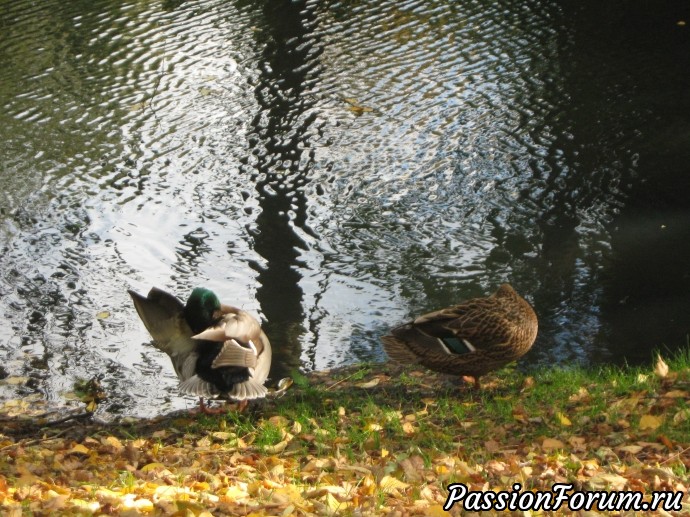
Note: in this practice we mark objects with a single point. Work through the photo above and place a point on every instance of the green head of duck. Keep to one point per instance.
(202, 309)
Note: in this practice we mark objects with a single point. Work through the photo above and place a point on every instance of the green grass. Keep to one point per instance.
(418, 412)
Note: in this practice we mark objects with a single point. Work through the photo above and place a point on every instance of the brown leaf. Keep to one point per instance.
(552, 443)
(665, 440)
(677, 394)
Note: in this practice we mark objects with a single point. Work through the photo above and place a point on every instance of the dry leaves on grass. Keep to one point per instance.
(369, 463)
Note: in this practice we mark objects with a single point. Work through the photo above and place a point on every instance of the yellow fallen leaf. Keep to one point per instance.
(564, 420)
(103, 315)
(632, 449)
(223, 435)
(141, 505)
(112, 441)
(384, 453)
(390, 484)
(107, 496)
(336, 506)
(235, 493)
(650, 422)
(661, 368)
(280, 446)
(87, 506)
(408, 428)
(79, 449)
(373, 427)
(152, 466)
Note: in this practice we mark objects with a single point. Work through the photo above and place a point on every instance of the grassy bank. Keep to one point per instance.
(368, 440)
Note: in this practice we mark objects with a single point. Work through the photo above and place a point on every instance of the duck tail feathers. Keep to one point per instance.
(195, 385)
(248, 390)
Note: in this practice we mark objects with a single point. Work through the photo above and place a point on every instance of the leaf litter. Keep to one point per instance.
(375, 440)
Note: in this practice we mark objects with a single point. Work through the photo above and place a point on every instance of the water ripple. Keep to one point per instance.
(332, 167)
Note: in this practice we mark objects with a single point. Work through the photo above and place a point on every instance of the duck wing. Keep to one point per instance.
(163, 316)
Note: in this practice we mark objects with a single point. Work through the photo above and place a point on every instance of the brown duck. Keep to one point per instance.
(469, 339)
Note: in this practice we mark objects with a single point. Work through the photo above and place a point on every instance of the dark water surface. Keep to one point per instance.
(335, 167)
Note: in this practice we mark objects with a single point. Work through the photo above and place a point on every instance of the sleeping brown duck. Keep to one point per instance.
(472, 338)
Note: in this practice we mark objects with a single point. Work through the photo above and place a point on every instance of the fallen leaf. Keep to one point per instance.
(632, 449)
(665, 440)
(79, 449)
(607, 481)
(390, 484)
(661, 368)
(102, 315)
(650, 422)
(551, 444)
(677, 394)
(409, 428)
(152, 466)
(564, 420)
(370, 384)
(681, 416)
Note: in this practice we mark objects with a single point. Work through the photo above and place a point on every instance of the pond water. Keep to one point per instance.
(335, 167)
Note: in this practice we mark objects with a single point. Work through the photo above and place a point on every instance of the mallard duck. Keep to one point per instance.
(217, 350)
(469, 339)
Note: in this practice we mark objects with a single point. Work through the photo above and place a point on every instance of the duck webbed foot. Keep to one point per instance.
(203, 408)
(471, 380)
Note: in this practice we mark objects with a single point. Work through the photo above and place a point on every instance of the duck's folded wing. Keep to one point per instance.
(234, 354)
